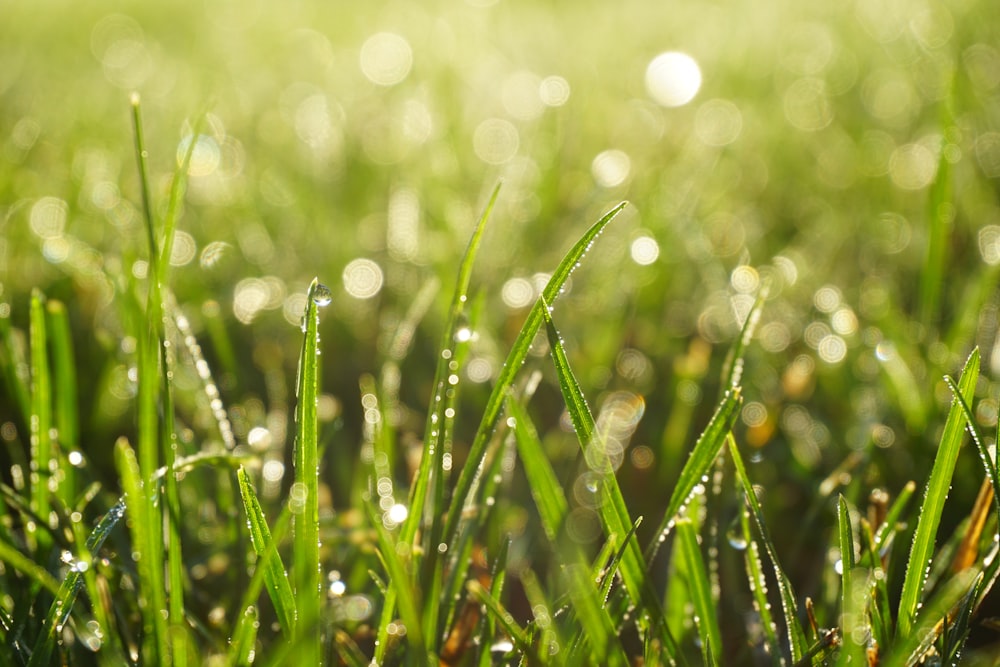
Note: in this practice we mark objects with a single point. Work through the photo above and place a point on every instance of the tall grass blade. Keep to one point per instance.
(395, 557)
(545, 486)
(612, 509)
(935, 495)
(852, 590)
(304, 500)
(62, 606)
(41, 420)
(268, 558)
(789, 607)
(989, 464)
(146, 544)
(519, 351)
(67, 421)
(705, 608)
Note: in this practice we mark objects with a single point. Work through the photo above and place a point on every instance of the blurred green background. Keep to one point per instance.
(846, 155)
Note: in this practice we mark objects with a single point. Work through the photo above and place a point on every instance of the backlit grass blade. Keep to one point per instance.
(429, 472)
(64, 394)
(602, 642)
(989, 464)
(241, 648)
(698, 465)
(796, 637)
(935, 495)
(304, 496)
(268, 558)
(890, 525)
(512, 365)
(146, 546)
(62, 606)
(705, 608)
(732, 369)
(41, 418)
(612, 509)
(542, 481)
(852, 593)
(757, 581)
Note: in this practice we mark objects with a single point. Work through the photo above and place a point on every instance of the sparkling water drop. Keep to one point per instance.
(322, 296)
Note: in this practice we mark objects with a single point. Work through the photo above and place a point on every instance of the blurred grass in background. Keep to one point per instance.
(845, 155)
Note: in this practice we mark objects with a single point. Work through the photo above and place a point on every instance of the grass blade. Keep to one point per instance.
(304, 498)
(699, 462)
(41, 420)
(758, 588)
(395, 557)
(545, 487)
(934, 497)
(268, 558)
(145, 545)
(705, 608)
(512, 365)
(853, 614)
(62, 606)
(796, 636)
(64, 395)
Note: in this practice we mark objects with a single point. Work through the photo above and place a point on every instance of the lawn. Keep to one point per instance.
(499, 332)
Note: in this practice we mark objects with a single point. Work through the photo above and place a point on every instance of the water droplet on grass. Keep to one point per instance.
(322, 296)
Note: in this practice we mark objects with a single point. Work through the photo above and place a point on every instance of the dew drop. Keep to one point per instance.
(322, 296)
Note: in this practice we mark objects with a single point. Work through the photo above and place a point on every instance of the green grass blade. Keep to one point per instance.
(890, 526)
(27, 566)
(989, 465)
(705, 608)
(940, 210)
(699, 462)
(732, 369)
(393, 554)
(65, 395)
(41, 418)
(146, 544)
(506, 620)
(430, 472)
(935, 494)
(604, 647)
(512, 365)
(65, 597)
(15, 372)
(853, 614)
(305, 490)
(174, 201)
(542, 480)
(796, 637)
(268, 558)
(757, 581)
(612, 510)
(241, 648)
(909, 649)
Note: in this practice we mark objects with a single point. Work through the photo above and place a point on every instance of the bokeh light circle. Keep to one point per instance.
(673, 78)
(363, 278)
(386, 58)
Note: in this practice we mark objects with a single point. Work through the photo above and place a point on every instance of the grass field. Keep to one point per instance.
(499, 332)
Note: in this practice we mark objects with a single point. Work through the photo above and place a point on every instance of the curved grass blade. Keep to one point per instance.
(705, 608)
(512, 365)
(268, 558)
(612, 510)
(732, 369)
(61, 607)
(796, 637)
(699, 462)
(989, 465)
(304, 498)
(935, 495)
